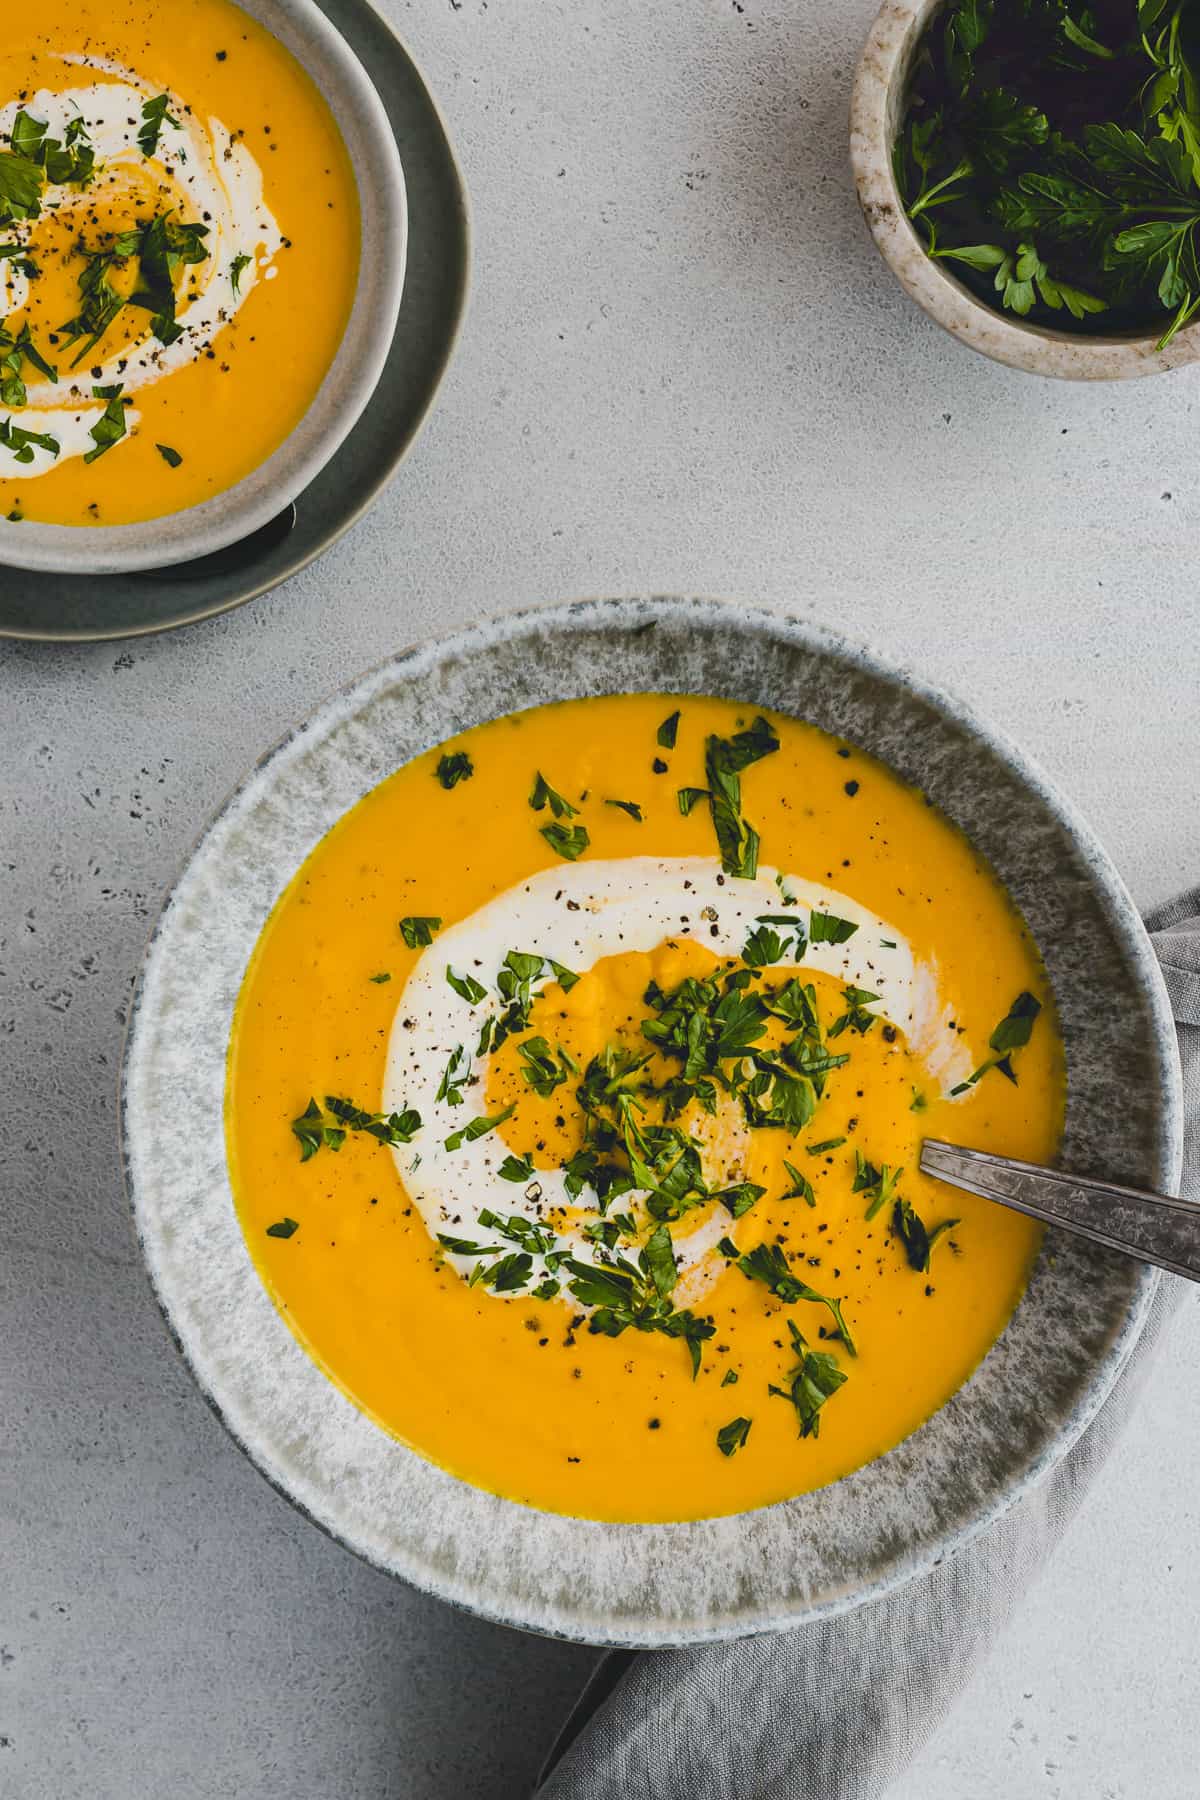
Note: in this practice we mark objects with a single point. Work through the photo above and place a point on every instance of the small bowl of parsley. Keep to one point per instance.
(1030, 171)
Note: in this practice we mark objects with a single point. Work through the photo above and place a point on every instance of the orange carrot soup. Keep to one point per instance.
(179, 245)
(575, 1100)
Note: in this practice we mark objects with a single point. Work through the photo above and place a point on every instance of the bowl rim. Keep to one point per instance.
(1038, 349)
(238, 511)
(900, 1565)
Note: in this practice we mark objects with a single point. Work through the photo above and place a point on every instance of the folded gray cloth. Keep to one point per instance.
(836, 1711)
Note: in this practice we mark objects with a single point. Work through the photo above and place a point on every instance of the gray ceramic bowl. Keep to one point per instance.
(647, 1584)
(876, 109)
(302, 29)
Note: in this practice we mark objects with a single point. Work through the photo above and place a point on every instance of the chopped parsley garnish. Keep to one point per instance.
(731, 1437)
(516, 1168)
(544, 1069)
(161, 248)
(171, 457)
(691, 796)
(824, 1146)
(325, 1128)
(768, 1263)
(237, 268)
(109, 428)
(155, 114)
(764, 946)
(455, 1077)
(453, 768)
(814, 1380)
(624, 1295)
(879, 1185)
(544, 795)
(730, 1378)
(1012, 1033)
(567, 841)
(479, 1127)
(20, 188)
(283, 1228)
(69, 160)
(738, 1200)
(913, 1233)
(801, 1188)
(472, 991)
(856, 1017)
(418, 930)
(827, 928)
(23, 443)
(668, 731)
(724, 760)
(565, 977)
(627, 806)
(14, 353)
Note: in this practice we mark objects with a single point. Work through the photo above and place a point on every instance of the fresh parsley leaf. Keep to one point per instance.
(325, 1128)
(455, 1077)
(668, 731)
(567, 841)
(479, 1127)
(826, 1144)
(764, 946)
(283, 1228)
(690, 797)
(917, 1239)
(544, 795)
(1012, 1033)
(724, 761)
(155, 115)
(768, 1264)
(237, 269)
(454, 767)
(801, 1188)
(878, 1184)
(827, 928)
(472, 991)
(814, 1381)
(418, 930)
(516, 1168)
(628, 806)
(731, 1437)
(730, 1378)
(738, 1200)
(109, 428)
(171, 457)
(544, 1069)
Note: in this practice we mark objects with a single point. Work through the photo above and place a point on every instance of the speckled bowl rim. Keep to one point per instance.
(239, 511)
(460, 1560)
(1041, 350)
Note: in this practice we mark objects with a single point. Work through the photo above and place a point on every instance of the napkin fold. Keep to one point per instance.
(837, 1710)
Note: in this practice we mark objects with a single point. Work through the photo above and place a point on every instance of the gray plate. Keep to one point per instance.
(89, 607)
(712, 1578)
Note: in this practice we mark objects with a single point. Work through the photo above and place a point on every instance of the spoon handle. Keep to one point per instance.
(1152, 1227)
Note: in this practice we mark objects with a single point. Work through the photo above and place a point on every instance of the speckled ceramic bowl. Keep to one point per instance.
(646, 1584)
(303, 29)
(876, 109)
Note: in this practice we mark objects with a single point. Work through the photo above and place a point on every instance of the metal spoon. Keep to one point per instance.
(1153, 1227)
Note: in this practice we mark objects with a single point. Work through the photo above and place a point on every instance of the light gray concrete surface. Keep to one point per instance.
(686, 370)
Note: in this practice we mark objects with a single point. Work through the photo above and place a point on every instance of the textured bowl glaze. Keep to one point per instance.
(818, 1554)
(876, 110)
(251, 503)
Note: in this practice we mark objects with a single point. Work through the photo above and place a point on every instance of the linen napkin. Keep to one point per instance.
(836, 1711)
